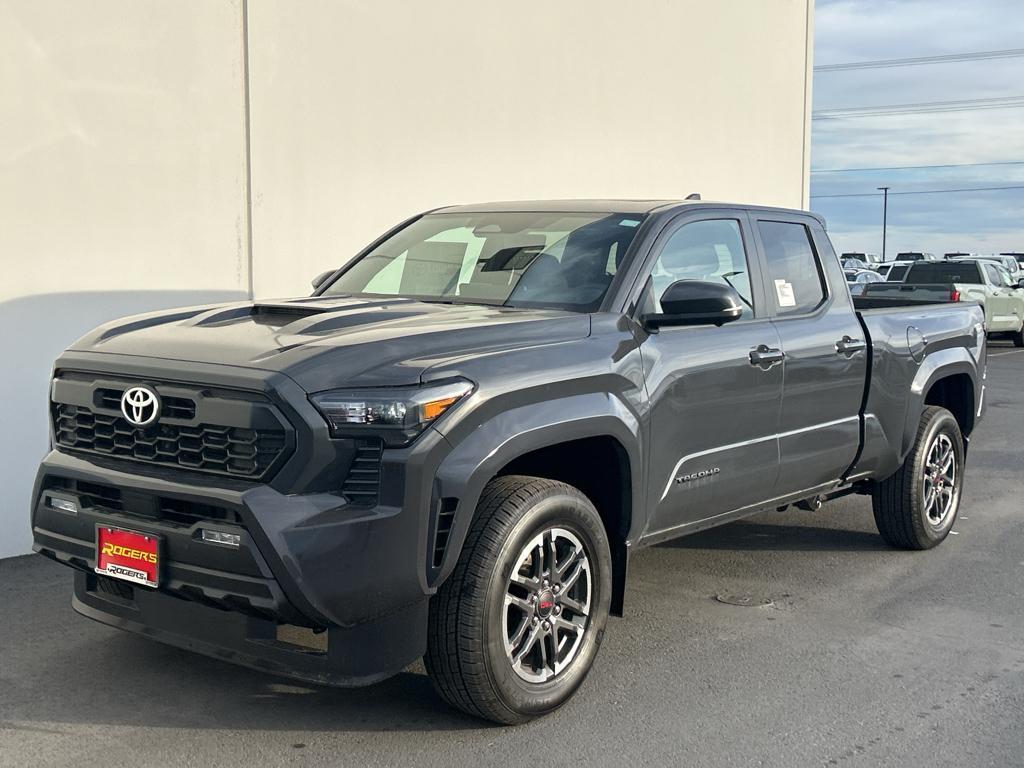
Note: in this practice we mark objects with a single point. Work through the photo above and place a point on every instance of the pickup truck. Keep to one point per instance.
(980, 280)
(452, 448)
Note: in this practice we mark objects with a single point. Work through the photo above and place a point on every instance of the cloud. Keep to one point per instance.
(861, 30)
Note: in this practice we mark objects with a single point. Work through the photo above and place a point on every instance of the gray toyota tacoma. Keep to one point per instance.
(451, 448)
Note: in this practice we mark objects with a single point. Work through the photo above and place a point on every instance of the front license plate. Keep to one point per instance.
(128, 555)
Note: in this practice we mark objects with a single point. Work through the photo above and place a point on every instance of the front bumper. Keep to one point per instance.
(359, 655)
(355, 573)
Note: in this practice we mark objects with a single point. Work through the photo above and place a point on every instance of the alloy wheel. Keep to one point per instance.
(547, 605)
(939, 480)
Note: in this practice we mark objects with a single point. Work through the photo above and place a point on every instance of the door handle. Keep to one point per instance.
(766, 356)
(847, 346)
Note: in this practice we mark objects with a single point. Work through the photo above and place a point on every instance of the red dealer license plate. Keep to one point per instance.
(127, 555)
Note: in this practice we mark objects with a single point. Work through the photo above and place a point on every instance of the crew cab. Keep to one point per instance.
(980, 280)
(454, 447)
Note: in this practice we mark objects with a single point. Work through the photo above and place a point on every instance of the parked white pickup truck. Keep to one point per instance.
(978, 280)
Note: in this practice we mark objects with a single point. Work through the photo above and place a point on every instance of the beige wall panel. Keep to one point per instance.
(122, 187)
(366, 112)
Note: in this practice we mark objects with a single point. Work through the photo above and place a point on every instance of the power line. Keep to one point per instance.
(916, 167)
(924, 107)
(928, 191)
(914, 61)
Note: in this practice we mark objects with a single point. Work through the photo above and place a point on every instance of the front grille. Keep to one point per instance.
(140, 504)
(170, 407)
(95, 495)
(224, 450)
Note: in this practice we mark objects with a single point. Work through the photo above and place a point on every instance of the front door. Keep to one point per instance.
(714, 407)
(826, 353)
(1000, 300)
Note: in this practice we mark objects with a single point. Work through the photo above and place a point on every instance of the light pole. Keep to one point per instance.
(885, 215)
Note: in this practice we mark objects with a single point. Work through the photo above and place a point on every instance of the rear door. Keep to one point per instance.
(714, 407)
(825, 366)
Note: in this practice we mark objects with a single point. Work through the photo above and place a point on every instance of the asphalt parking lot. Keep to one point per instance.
(866, 656)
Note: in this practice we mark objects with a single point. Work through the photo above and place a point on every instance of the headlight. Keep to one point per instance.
(398, 415)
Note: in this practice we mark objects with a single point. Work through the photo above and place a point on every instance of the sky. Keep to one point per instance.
(871, 30)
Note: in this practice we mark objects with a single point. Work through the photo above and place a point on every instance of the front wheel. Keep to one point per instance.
(514, 630)
(917, 506)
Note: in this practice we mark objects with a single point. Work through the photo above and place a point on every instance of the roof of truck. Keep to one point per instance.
(606, 205)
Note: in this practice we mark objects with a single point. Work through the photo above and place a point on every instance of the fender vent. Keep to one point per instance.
(362, 484)
(443, 528)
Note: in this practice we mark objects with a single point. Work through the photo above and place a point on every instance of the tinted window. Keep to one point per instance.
(794, 275)
(896, 274)
(944, 272)
(709, 250)
(562, 260)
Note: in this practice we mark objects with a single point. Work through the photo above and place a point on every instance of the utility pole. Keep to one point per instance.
(885, 215)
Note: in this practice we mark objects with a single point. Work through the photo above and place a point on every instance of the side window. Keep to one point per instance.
(795, 281)
(710, 250)
(993, 275)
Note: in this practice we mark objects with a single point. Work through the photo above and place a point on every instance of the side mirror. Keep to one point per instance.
(321, 278)
(696, 302)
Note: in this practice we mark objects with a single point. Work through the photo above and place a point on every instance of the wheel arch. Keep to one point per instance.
(947, 378)
(589, 441)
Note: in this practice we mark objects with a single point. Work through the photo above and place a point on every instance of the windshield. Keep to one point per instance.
(560, 260)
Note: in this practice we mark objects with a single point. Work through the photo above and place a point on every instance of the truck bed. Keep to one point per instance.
(887, 295)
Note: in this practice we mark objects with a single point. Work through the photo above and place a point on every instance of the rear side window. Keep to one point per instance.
(795, 281)
(944, 272)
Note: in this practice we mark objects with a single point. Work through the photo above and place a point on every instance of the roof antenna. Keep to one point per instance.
(693, 196)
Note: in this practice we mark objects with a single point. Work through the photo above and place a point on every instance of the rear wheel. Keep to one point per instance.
(1018, 337)
(515, 629)
(917, 506)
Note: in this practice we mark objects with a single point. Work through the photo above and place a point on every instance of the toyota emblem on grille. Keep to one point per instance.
(140, 405)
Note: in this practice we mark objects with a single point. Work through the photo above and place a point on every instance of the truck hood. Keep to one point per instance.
(325, 342)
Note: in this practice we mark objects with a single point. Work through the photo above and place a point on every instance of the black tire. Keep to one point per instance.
(1018, 337)
(902, 514)
(466, 648)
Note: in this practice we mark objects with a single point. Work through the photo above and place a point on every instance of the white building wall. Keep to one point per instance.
(125, 160)
(365, 113)
(122, 189)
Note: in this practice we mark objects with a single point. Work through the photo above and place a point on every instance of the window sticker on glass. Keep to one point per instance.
(629, 222)
(784, 292)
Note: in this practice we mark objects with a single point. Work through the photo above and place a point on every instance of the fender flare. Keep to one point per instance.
(518, 431)
(935, 366)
